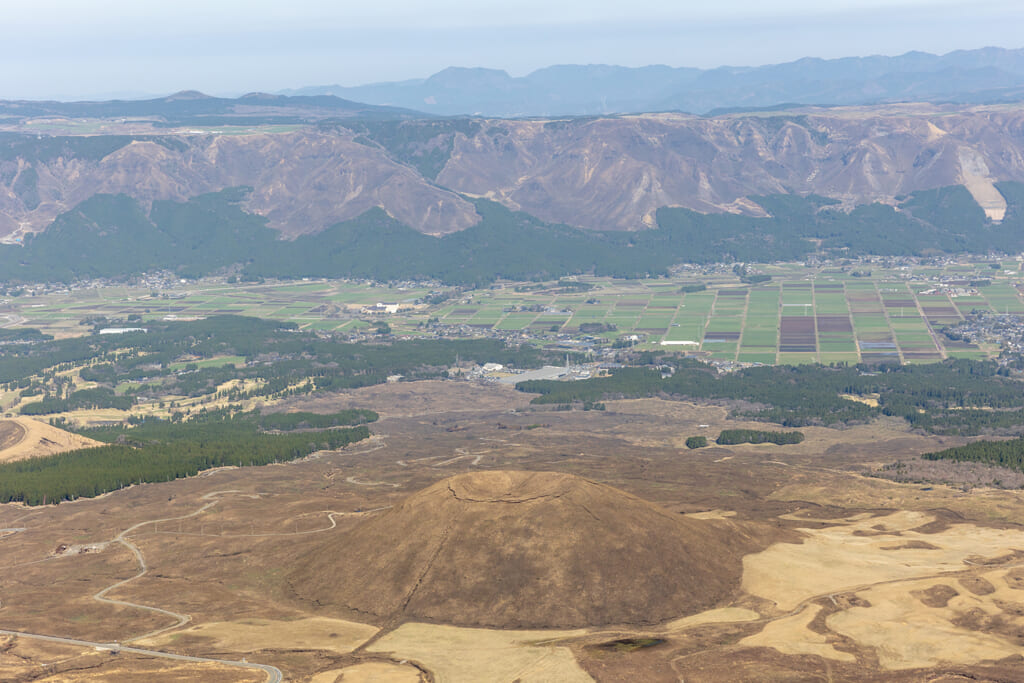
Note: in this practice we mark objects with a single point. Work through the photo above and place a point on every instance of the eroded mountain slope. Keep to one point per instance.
(596, 173)
(302, 181)
(613, 173)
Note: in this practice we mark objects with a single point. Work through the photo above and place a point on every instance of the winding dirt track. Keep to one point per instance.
(273, 673)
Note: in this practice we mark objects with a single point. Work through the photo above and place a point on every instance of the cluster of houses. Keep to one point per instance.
(1007, 330)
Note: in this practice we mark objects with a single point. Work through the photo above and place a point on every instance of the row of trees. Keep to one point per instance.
(730, 437)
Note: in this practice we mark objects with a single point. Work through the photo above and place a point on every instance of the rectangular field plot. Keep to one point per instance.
(836, 346)
(623, 322)
(829, 324)
(652, 327)
(738, 296)
(760, 338)
(797, 334)
(868, 324)
(831, 306)
(698, 303)
(516, 321)
(460, 315)
(691, 329)
(1003, 299)
(631, 304)
(966, 353)
(797, 358)
(729, 307)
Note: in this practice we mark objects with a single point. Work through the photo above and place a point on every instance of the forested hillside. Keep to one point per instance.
(114, 236)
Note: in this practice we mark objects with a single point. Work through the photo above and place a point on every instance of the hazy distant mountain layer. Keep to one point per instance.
(986, 75)
(602, 173)
(192, 108)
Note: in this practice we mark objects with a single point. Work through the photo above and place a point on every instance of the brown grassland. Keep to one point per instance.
(23, 437)
(820, 573)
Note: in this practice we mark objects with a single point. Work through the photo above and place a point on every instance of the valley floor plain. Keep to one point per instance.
(891, 310)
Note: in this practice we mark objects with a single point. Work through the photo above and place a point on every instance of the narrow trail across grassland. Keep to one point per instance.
(274, 674)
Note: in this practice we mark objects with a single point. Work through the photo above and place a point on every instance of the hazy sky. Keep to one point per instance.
(99, 48)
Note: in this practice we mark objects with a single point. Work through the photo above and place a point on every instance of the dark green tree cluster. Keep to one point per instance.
(22, 334)
(696, 442)
(731, 437)
(1008, 454)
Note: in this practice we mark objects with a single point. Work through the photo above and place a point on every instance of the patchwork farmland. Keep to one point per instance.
(787, 320)
(801, 315)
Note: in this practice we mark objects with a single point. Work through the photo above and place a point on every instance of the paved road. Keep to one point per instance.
(273, 673)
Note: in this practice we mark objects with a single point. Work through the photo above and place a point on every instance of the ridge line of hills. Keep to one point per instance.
(190, 107)
(984, 75)
(603, 173)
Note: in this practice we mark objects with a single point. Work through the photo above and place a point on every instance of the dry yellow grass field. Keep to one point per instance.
(252, 635)
(23, 437)
(907, 632)
(792, 635)
(370, 672)
(469, 655)
(869, 550)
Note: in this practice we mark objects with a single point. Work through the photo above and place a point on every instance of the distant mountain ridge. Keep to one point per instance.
(190, 107)
(987, 75)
